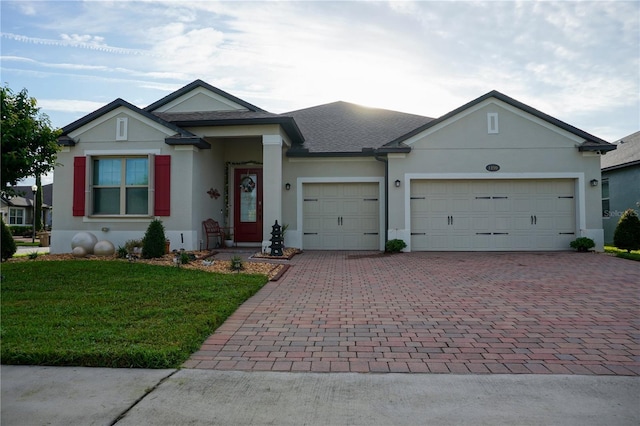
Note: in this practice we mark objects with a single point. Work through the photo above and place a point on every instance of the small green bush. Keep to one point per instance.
(582, 244)
(131, 244)
(153, 243)
(395, 246)
(122, 252)
(627, 233)
(236, 263)
(8, 244)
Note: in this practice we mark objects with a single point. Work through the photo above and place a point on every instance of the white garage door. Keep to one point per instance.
(341, 216)
(492, 214)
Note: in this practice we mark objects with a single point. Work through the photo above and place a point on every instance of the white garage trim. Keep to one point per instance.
(579, 191)
(296, 238)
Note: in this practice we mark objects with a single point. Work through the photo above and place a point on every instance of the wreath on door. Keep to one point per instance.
(247, 184)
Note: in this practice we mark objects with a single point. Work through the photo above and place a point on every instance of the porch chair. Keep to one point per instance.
(214, 232)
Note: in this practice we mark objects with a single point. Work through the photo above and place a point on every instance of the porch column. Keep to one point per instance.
(272, 184)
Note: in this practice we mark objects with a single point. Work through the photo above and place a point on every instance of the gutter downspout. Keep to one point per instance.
(385, 160)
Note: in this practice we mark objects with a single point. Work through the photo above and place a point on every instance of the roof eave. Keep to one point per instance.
(606, 147)
(621, 166)
(181, 141)
(288, 124)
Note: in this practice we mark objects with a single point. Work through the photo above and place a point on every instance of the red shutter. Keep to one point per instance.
(162, 200)
(79, 185)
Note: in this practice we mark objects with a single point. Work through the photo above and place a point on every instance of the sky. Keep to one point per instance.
(576, 61)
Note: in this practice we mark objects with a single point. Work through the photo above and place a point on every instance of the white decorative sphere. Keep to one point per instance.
(104, 248)
(86, 240)
(79, 252)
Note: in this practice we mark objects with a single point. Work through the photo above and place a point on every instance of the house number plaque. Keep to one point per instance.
(492, 167)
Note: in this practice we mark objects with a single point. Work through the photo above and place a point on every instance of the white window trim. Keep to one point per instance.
(24, 216)
(602, 183)
(122, 125)
(90, 186)
(492, 123)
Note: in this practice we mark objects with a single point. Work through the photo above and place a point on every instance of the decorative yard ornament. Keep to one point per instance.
(276, 240)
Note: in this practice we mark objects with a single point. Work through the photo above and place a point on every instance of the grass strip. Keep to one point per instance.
(634, 255)
(113, 314)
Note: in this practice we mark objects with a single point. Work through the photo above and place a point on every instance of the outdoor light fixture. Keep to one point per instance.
(287, 186)
(594, 182)
(397, 182)
(34, 188)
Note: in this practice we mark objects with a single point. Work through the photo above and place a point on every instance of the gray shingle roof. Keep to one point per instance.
(627, 153)
(342, 127)
(26, 195)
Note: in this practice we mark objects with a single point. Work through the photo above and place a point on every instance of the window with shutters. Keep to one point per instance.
(120, 186)
(126, 185)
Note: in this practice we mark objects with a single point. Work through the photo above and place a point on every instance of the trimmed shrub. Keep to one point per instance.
(395, 246)
(8, 244)
(153, 243)
(627, 233)
(582, 244)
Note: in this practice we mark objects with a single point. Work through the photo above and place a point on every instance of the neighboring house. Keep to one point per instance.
(18, 210)
(620, 182)
(494, 174)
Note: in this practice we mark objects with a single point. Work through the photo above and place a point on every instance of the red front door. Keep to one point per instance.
(247, 214)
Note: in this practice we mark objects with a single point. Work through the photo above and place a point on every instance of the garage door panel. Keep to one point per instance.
(341, 216)
(498, 214)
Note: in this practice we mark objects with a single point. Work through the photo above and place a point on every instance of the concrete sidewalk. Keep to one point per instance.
(99, 396)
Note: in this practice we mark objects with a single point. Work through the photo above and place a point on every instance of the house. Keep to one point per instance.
(18, 210)
(620, 182)
(494, 174)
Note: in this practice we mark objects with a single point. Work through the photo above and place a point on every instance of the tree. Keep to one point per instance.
(153, 243)
(29, 144)
(8, 244)
(627, 233)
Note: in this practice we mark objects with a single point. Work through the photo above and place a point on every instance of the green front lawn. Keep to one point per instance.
(113, 314)
(634, 255)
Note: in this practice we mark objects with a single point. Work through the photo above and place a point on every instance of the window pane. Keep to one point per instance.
(137, 201)
(605, 208)
(106, 171)
(137, 171)
(605, 188)
(106, 201)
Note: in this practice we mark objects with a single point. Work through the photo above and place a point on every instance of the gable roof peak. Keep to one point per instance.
(119, 102)
(203, 84)
(591, 142)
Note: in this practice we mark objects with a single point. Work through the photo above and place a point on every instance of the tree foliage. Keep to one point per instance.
(8, 244)
(627, 233)
(29, 144)
(153, 243)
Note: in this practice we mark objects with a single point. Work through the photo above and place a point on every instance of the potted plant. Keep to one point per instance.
(582, 244)
(228, 240)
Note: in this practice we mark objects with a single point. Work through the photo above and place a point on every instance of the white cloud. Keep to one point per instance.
(572, 59)
(69, 105)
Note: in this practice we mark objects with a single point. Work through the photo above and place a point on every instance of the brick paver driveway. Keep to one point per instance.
(560, 313)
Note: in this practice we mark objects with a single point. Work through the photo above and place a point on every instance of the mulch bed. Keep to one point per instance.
(204, 261)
